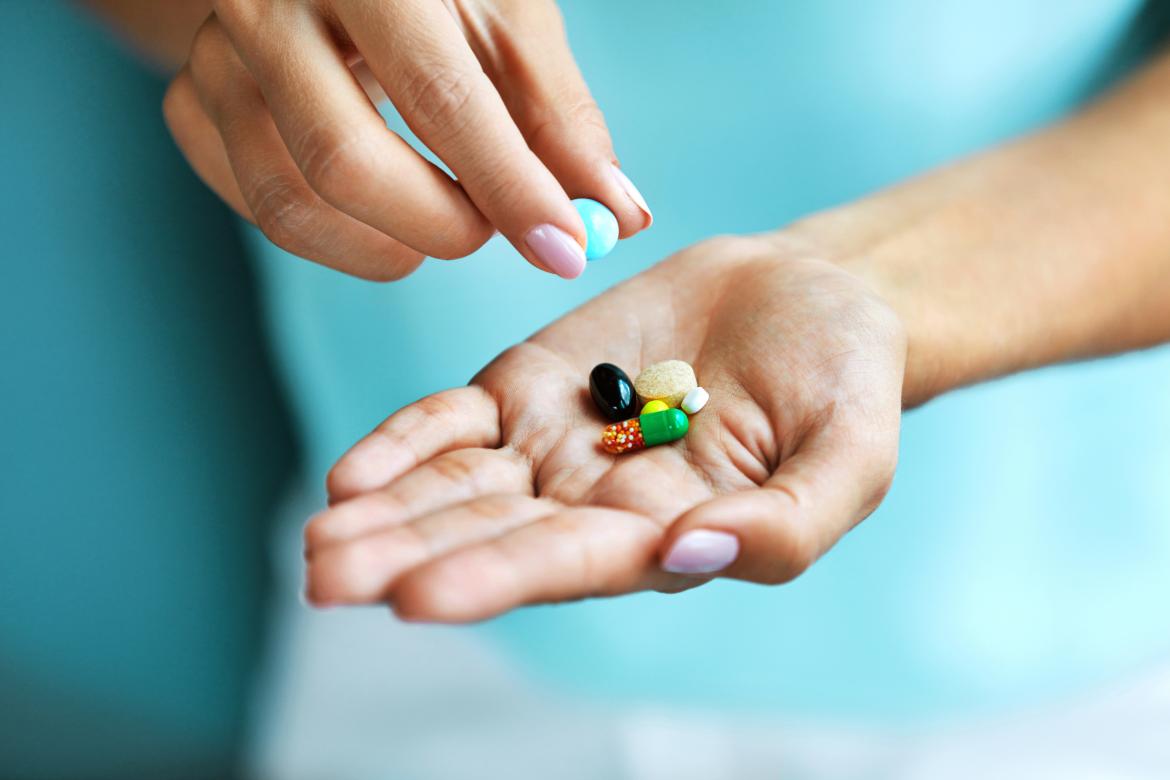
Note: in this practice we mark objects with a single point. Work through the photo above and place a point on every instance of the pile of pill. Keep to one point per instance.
(668, 392)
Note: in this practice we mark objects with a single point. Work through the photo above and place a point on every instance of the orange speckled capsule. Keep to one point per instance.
(644, 431)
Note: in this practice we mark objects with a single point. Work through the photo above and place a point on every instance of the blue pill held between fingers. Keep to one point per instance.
(601, 228)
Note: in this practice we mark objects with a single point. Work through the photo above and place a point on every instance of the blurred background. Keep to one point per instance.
(145, 440)
(174, 389)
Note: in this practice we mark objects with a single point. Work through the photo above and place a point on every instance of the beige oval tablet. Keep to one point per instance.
(668, 381)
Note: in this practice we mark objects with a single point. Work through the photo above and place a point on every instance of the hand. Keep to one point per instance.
(271, 112)
(476, 500)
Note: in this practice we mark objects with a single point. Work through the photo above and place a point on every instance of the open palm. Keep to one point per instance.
(479, 499)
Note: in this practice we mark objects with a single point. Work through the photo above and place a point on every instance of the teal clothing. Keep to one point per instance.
(1025, 548)
(143, 439)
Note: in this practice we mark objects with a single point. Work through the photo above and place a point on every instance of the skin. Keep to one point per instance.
(812, 340)
(483, 498)
(275, 110)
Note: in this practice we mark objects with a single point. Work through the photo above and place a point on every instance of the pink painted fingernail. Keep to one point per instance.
(556, 250)
(636, 196)
(702, 552)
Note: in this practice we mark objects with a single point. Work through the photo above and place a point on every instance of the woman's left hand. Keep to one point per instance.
(480, 499)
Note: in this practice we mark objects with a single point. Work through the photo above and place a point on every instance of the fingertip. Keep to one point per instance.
(771, 543)
(313, 535)
(310, 599)
(346, 520)
(311, 594)
(438, 593)
(369, 464)
(345, 574)
(556, 251)
(633, 222)
(604, 183)
(701, 551)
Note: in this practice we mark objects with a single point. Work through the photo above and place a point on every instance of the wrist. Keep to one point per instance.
(879, 253)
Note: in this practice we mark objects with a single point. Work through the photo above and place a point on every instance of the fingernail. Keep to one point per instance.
(701, 552)
(556, 250)
(627, 185)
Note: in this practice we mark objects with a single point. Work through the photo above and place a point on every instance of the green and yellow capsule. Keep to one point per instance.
(645, 431)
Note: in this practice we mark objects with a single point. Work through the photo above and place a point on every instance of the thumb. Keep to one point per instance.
(774, 533)
(529, 61)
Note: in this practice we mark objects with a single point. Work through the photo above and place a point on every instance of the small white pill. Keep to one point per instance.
(695, 400)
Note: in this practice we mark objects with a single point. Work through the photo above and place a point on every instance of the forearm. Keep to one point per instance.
(161, 30)
(1053, 248)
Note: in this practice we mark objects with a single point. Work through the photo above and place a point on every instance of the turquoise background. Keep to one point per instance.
(1024, 550)
(143, 438)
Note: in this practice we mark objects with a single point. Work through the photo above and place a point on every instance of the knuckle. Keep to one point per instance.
(797, 553)
(339, 483)
(436, 98)
(503, 191)
(334, 163)
(207, 48)
(584, 112)
(494, 507)
(435, 410)
(283, 211)
(802, 555)
(316, 534)
(788, 545)
(460, 240)
(454, 470)
(409, 543)
(578, 117)
(236, 12)
(882, 469)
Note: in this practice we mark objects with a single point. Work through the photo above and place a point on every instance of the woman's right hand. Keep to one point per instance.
(274, 112)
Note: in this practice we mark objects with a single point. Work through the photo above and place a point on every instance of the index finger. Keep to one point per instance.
(422, 60)
(453, 419)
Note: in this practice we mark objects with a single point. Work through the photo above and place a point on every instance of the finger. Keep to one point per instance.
(526, 55)
(339, 141)
(365, 570)
(774, 533)
(285, 208)
(422, 60)
(200, 143)
(451, 478)
(453, 419)
(568, 555)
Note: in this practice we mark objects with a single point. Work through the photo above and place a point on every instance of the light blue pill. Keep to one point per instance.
(601, 228)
